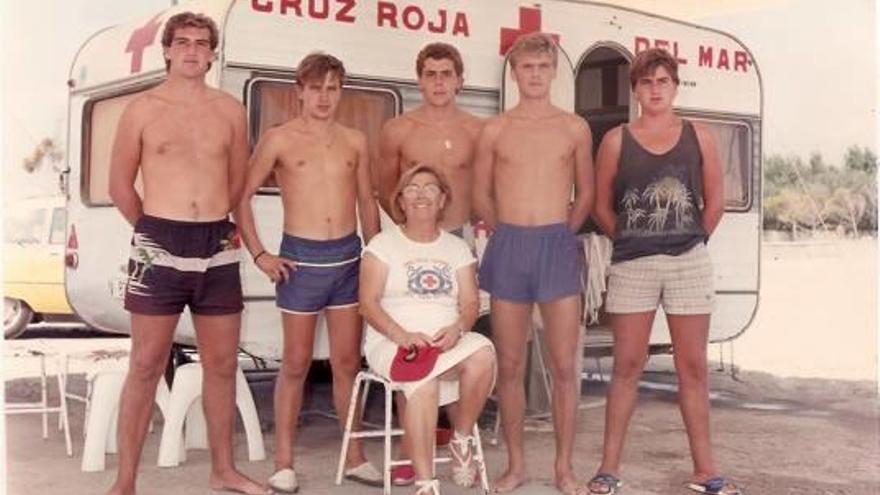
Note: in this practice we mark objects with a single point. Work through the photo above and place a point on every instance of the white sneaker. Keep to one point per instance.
(284, 481)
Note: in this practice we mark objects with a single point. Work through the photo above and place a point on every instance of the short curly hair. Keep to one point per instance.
(185, 20)
(647, 61)
(439, 51)
(397, 212)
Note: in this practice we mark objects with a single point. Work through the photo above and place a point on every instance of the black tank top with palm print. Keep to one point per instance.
(658, 198)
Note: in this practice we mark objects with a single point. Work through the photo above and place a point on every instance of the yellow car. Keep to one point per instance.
(33, 264)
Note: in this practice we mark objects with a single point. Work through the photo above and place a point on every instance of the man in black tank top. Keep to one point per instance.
(659, 196)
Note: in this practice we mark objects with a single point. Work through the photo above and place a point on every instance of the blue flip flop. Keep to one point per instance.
(609, 482)
(716, 486)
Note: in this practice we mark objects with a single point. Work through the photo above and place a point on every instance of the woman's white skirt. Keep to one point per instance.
(381, 356)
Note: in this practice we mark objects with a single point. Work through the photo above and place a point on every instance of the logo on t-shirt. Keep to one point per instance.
(429, 278)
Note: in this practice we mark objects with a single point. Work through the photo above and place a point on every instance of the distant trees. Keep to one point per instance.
(816, 196)
(48, 150)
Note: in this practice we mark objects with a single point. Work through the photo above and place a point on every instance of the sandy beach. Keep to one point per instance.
(817, 312)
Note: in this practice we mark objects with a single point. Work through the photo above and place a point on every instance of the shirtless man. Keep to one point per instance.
(322, 169)
(189, 142)
(528, 159)
(659, 256)
(437, 133)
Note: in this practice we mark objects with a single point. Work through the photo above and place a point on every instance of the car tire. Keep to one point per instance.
(16, 316)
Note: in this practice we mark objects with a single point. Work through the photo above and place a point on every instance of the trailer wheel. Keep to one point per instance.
(16, 316)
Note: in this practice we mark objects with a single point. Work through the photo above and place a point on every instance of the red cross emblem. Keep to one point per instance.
(429, 282)
(140, 39)
(529, 22)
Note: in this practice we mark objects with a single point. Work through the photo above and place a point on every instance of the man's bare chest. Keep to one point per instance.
(531, 143)
(182, 132)
(314, 157)
(448, 148)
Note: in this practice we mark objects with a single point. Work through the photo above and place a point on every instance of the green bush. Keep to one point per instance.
(816, 195)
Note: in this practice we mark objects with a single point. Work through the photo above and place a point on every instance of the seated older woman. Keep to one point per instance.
(418, 288)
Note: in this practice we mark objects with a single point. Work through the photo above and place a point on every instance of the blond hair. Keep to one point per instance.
(533, 43)
(396, 211)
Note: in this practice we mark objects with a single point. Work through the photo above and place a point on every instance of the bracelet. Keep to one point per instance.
(258, 255)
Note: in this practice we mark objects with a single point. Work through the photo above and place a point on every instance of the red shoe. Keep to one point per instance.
(403, 475)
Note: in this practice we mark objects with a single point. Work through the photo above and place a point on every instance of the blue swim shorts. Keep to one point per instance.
(326, 274)
(532, 264)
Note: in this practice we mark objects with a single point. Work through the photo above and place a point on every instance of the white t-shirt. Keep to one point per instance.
(421, 292)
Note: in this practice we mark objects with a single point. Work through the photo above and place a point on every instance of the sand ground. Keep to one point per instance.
(799, 417)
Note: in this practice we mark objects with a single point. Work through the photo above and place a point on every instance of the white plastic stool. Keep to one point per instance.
(185, 406)
(102, 402)
(96, 362)
(42, 406)
(365, 378)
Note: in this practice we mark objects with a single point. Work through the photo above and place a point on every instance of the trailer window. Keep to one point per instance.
(275, 102)
(101, 119)
(733, 140)
(24, 226)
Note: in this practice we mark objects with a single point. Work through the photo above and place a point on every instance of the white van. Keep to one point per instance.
(263, 40)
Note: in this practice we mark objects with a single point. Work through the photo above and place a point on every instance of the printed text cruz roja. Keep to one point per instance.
(391, 15)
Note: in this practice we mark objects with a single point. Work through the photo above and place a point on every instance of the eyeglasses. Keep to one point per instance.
(413, 190)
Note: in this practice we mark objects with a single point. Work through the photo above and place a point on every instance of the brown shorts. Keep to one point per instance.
(174, 264)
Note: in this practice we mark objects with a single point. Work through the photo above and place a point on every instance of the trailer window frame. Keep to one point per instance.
(86, 168)
(748, 156)
(252, 97)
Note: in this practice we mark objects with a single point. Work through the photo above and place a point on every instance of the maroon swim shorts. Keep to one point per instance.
(174, 264)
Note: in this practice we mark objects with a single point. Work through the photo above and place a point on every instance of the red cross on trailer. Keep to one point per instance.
(141, 38)
(529, 22)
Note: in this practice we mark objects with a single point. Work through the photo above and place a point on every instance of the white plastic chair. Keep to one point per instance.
(95, 363)
(387, 432)
(185, 407)
(102, 405)
(42, 406)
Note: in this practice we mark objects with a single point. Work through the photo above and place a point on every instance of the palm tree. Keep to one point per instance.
(630, 198)
(663, 193)
(657, 219)
(633, 216)
(681, 203)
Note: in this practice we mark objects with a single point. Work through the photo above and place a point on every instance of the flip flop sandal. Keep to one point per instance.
(716, 486)
(608, 482)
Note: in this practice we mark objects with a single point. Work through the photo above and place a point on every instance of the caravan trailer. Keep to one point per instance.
(263, 40)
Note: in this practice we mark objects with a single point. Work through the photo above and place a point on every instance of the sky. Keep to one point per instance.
(818, 65)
